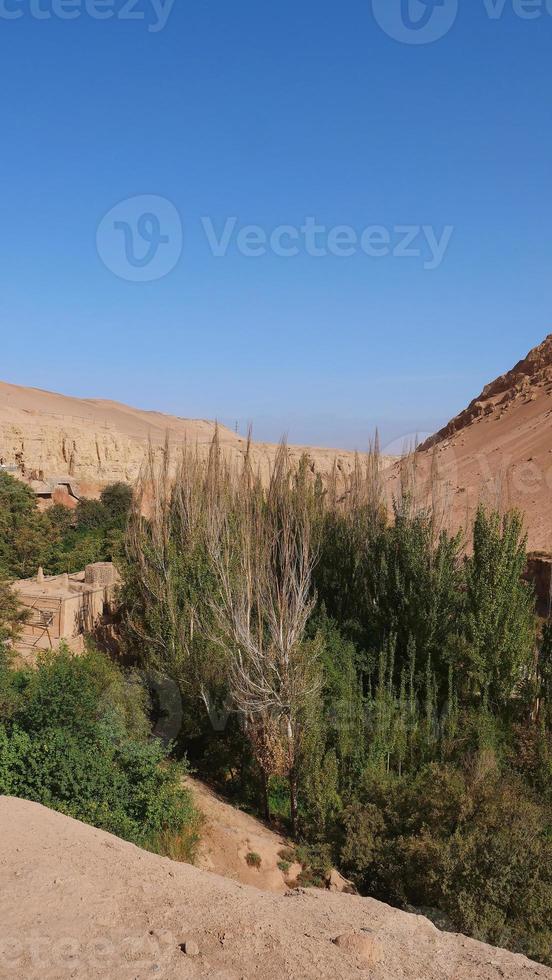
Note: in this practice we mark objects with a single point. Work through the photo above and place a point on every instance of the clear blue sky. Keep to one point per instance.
(272, 113)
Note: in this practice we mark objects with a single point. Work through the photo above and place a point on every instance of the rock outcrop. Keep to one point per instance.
(497, 451)
(521, 384)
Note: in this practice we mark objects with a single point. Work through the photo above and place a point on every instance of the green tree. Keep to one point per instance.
(91, 515)
(117, 500)
(499, 625)
(12, 616)
(24, 538)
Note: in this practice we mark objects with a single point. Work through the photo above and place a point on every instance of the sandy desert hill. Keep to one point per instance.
(95, 442)
(499, 449)
(78, 902)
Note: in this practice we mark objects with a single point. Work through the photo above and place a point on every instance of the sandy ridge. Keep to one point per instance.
(97, 442)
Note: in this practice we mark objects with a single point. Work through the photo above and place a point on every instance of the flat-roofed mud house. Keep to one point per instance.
(65, 607)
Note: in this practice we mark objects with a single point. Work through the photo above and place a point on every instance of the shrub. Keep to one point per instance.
(316, 864)
(471, 842)
(76, 742)
(253, 859)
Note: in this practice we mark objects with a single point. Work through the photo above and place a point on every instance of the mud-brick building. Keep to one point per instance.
(65, 607)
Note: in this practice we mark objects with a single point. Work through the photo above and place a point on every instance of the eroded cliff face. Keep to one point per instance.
(44, 451)
(48, 436)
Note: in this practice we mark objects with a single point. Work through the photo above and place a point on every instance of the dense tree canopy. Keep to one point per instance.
(377, 682)
(423, 764)
(74, 736)
(60, 539)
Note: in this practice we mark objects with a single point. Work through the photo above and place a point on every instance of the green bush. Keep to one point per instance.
(76, 741)
(316, 863)
(471, 842)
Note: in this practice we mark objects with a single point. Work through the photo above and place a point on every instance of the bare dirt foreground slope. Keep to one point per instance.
(77, 902)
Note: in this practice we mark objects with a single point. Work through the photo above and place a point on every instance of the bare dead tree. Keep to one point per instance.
(165, 552)
(261, 547)
(149, 543)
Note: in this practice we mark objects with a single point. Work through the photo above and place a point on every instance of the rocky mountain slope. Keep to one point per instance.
(96, 442)
(78, 902)
(499, 449)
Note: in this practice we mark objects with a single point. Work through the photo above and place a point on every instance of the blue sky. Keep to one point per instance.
(271, 115)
